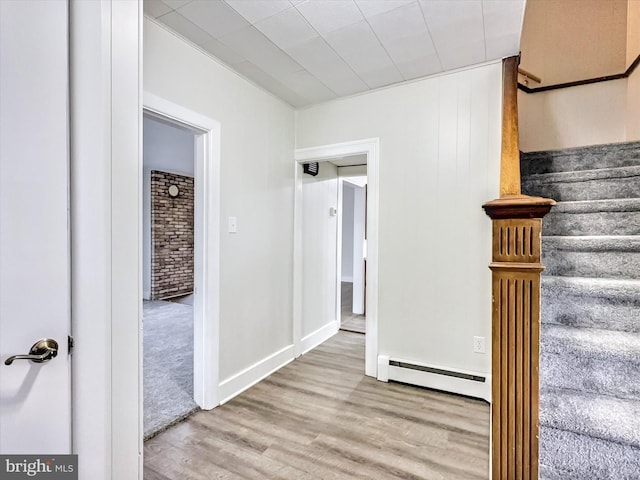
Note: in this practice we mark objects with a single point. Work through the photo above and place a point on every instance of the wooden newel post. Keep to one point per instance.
(516, 269)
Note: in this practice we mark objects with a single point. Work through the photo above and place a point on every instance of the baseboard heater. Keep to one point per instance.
(462, 382)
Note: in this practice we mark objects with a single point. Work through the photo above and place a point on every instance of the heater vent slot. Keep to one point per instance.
(437, 371)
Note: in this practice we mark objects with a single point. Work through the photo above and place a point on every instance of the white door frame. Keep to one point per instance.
(206, 308)
(371, 148)
(106, 125)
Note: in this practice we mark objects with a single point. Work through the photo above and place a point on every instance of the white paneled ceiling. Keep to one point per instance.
(310, 51)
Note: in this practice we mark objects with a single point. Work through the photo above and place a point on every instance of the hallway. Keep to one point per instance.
(321, 418)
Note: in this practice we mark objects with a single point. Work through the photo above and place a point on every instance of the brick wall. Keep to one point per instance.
(171, 235)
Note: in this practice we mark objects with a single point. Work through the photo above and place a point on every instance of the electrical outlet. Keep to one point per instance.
(478, 345)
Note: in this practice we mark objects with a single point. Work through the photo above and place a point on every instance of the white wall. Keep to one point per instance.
(572, 117)
(167, 148)
(347, 232)
(257, 187)
(439, 162)
(320, 249)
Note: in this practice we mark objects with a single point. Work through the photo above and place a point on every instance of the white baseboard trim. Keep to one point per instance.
(383, 368)
(250, 376)
(323, 334)
(438, 381)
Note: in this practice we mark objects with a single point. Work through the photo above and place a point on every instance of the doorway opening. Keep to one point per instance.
(355, 155)
(168, 273)
(181, 245)
(353, 212)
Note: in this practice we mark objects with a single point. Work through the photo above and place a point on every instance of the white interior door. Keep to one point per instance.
(35, 405)
(359, 214)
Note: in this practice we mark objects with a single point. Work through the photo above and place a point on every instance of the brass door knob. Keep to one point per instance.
(41, 351)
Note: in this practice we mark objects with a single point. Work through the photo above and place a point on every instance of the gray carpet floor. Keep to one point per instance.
(167, 364)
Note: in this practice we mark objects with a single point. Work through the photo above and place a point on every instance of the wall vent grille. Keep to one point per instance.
(312, 168)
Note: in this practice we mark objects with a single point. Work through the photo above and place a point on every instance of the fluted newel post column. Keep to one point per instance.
(515, 346)
(516, 269)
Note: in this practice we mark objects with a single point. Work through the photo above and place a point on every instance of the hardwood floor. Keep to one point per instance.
(321, 418)
(349, 321)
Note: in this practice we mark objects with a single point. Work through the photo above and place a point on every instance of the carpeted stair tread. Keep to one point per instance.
(610, 288)
(608, 361)
(567, 455)
(604, 183)
(585, 175)
(592, 256)
(595, 206)
(607, 418)
(603, 345)
(593, 243)
(599, 303)
(594, 217)
(581, 158)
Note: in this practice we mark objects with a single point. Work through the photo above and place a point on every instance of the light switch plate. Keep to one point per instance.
(233, 225)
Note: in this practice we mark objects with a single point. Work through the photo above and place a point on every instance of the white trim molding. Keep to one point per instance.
(370, 147)
(248, 377)
(321, 335)
(207, 244)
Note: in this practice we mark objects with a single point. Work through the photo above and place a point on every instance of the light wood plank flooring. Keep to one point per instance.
(349, 321)
(321, 418)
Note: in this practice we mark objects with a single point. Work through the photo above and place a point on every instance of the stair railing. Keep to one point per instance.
(516, 268)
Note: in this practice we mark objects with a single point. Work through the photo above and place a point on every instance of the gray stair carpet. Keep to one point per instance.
(590, 335)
